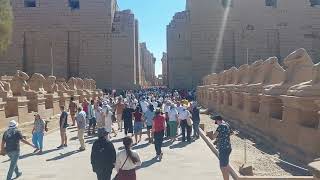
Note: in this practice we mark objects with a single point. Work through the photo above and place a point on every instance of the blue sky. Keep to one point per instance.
(153, 17)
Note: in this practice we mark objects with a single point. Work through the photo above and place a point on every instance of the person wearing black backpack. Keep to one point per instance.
(103, 156)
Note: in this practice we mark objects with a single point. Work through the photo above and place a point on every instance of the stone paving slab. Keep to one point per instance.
(180, 161)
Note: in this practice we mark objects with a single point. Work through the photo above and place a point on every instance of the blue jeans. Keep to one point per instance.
(14, 157)
(37, 140)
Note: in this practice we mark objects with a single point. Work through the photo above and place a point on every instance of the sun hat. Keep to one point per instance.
(13, 124)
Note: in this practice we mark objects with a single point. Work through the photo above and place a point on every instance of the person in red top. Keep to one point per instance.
(158, 128)
(85, 105)
(138, 124)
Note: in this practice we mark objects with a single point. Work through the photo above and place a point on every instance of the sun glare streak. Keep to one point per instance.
(221, 34)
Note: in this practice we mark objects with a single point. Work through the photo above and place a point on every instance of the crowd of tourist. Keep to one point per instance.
(165, 114)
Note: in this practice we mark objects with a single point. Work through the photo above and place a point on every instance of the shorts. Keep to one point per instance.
(138, 127)
(92, 122)
(224, 155)
(149, 128)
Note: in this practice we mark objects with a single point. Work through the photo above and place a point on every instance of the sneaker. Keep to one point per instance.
(82, 149)
(65, 145)
(61, 146)
(40, 152)
(36, 150)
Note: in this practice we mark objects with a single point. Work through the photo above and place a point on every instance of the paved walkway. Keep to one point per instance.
(181, 161)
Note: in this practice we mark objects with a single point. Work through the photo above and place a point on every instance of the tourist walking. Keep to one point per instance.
(183, 117)
(127, 161)
(92, 118)
(63, 124)
(127, 118)
(38, 133)
(196, 120)
(148, 116)
(138, 124)
(10, 145)
(223, 134)
(173, 122)
(81, 121)
(158, 129)
(103, 156)
(107, 111)
(73, 110)
(119, 111)
(100, 116)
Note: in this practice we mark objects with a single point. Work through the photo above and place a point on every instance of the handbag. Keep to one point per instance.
(117, 175)
(189, 121)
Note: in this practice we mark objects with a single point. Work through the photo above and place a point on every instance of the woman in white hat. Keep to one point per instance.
(11, 145)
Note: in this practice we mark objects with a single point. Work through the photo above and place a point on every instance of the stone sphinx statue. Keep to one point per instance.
(72, 83)
(255, 72)
(50, 84)
(242, 75)
(87, 84)
(62, 85)
(93, 84)
(298, 69)
(222, 78)
(264, 73)
(80, 83)
(36, 83)
(231, 75)
(5, 90)
(19, 85)
(308, 88)
(213, 78)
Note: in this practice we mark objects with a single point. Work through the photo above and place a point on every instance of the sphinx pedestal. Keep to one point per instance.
(36, 102)
(52, 102)
(271, 107)
(64, 100)
(18, 106)
(3, 122)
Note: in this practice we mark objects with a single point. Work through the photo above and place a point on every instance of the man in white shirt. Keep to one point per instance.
(183, 116)
(144, 105)
(173, 122)
(179, 107)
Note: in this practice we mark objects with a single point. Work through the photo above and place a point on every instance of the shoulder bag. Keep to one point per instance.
(118, 174)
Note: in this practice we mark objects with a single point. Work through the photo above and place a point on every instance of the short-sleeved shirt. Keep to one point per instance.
(12, 139)
(63, 119)
(183, 115)
(99, 119)
(85, 106)
(39, 125)
(159, 123)
(81, 120)
(173, 113)
(137, 116)
(224, 136)
(149, 115)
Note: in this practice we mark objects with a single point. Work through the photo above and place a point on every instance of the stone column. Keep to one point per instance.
(3, 123)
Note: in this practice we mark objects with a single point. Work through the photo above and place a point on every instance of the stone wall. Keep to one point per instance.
(60, 38)
(279, 104)
(22, 96)
(220, 34)
(179, 51)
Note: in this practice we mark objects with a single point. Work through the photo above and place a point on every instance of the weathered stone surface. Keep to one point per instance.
(298, 69)
(19, 85)
(50, 85)
(309, 88)
(72, 83)
(36, 83)
(5, 90)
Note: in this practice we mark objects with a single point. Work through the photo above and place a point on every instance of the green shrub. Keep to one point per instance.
(5, 24)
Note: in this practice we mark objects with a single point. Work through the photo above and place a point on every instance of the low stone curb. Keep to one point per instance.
(237, 176)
